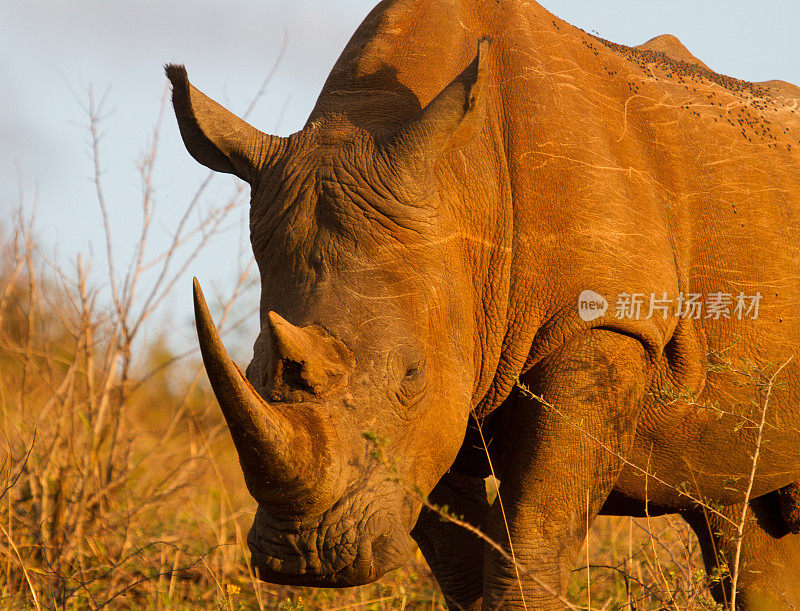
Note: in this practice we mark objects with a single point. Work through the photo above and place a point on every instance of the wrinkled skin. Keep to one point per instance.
(422, 243)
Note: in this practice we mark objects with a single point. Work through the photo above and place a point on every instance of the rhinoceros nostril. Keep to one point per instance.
(294, 375)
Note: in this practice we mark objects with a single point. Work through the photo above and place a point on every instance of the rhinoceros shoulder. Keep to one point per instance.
(670, 58)
(782, 88)
(670, 46)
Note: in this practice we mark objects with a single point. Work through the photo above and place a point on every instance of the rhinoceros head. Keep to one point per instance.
(366, 327)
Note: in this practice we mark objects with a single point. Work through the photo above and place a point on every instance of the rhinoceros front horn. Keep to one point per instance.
(286, 455)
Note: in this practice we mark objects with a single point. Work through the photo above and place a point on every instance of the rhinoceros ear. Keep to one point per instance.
(451, 119)
(216, 137)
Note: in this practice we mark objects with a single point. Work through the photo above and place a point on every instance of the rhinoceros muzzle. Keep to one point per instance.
(355, 542)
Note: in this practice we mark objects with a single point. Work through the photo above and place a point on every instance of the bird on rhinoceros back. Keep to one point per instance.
(494, 219)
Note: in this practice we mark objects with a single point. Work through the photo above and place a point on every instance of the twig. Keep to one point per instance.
(746, 503)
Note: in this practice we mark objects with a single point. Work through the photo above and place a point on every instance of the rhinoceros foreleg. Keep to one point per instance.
(455, 554)
(769, 566)
(560, 459)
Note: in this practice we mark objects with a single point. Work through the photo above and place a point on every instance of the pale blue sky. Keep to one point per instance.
(53, 50)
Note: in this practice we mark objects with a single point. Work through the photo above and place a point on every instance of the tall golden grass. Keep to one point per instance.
(120, 487)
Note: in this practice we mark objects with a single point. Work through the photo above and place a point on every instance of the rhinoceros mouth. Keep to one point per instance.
(364, 535)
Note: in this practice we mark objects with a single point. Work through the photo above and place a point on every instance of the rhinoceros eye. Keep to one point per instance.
(413, 370)
(407, 368)
(413, 384)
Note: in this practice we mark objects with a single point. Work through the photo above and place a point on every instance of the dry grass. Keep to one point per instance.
(120, 487)
(636, 563)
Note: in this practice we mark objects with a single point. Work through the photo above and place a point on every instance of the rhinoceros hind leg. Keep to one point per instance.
(769, 567)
